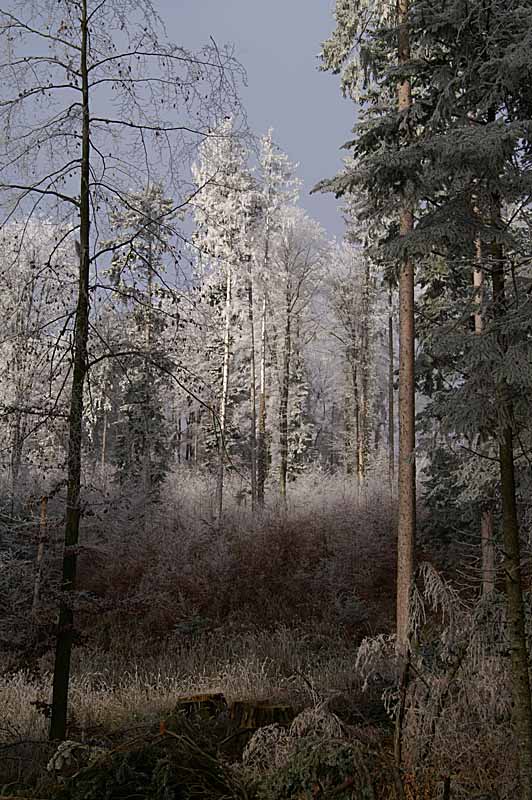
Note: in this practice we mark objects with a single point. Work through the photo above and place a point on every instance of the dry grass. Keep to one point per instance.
(271, 606)
(112, 691)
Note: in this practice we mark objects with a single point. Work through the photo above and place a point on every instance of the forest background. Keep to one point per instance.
(208, 408)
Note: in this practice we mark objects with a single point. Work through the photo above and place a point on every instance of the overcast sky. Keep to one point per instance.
(278, 41)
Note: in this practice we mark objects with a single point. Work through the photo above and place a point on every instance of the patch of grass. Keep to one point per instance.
(119, 688)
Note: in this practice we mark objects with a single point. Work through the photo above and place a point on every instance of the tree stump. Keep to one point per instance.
(205, 706)
(254, 715)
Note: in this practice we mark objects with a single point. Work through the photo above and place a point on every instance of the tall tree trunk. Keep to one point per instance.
(406, 493)
(487, 548)
(65, 628)
(487, 544)
(332, 445)
(348, 420)
(285, 386)
(103, 454)
(225, 391)
(356, 418)
(261, 441)
(391, 396)
(522, 716)
(16, 456)
(189, 436)
(363, 452)
(147, 468)
(196, 433)
(478, 285)
(407, 465)
(252, 395)
(43, 530)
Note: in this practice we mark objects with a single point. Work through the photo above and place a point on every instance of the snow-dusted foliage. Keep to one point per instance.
(37, 283)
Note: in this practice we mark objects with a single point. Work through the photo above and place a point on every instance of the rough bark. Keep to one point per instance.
(391, 396)
(407, 465)
(487, 544)
(65, 628)
(520, 678)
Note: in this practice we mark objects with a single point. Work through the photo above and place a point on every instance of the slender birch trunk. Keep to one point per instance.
(195, 446)
(285, 388)
(364, 383)
(356, 420)
(261, 441)
(180, 440)
(148, 378)
(16, 454)
(225, 390)
(252, 394)
(65, 628)
(407, 409)
(103, 454)
(348, 420)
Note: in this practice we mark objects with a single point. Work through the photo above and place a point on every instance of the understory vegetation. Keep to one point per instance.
(293, 608)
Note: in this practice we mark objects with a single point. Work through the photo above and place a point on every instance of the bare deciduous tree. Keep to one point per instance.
(93, 102)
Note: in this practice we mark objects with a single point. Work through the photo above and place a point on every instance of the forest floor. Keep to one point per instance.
(268, 608)
(117, 699)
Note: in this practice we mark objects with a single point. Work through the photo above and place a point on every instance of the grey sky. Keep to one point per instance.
(278, 41)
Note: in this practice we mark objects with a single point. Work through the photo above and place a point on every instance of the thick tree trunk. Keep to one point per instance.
(487, 544)
(225, 391)
(65, 629)
(285, 386)
(252, 396)
(406, 494)
(407, 464)
(522, 716)
(391, 396)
